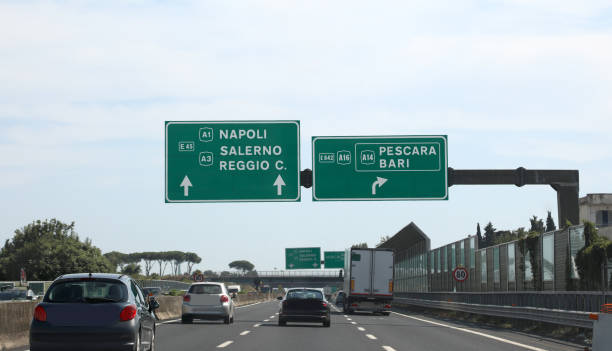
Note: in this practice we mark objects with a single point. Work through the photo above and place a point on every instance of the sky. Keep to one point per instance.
(85, 88)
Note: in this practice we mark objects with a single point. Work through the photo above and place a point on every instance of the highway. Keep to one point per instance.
(256, 328)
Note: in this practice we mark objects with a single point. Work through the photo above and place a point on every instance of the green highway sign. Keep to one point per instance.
(380, 168)
(227, 161)
(333, 259)
(303, 258)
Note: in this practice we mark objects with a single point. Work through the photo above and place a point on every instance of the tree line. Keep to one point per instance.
(128, 263)
(492, 236)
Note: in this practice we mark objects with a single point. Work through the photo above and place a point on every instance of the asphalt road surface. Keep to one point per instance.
(256, 328)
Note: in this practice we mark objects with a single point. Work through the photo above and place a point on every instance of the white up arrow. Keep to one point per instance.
(185, 184)
(379, 181)
(279, 183)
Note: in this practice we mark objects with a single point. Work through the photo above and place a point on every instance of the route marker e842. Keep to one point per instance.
(380, 168)
(226, 161)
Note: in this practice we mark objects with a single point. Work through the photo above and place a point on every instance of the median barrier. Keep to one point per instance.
(15, 318)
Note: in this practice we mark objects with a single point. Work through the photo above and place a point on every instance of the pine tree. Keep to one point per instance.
(537, 225)
(479, 235)
(489, 234)
(550, 223)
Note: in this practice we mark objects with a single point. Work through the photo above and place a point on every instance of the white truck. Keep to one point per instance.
(368, 280)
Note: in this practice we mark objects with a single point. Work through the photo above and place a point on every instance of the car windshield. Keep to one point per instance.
(88, 291)
(205, 289)
(304, 295)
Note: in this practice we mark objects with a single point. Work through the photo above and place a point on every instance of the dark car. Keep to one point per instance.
(339, 300)
(304, 305)
(93, 312)
(16, 294)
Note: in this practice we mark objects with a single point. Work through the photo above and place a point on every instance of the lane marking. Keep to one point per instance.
(252, 304)
(528, 347)
(361, 329)
(266, 320)
(159, 323)
(348, 319)
(353, 322)
(345, 316)
(245, 332)
(371, 337)
(388, 348)
(271, 317)
(257, 325)
(225, 344)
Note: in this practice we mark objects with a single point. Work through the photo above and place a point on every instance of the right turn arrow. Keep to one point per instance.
(379, 181)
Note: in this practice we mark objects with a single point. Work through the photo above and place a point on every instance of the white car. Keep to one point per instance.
(208, 301)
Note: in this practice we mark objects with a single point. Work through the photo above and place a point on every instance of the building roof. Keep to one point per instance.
(406, 238)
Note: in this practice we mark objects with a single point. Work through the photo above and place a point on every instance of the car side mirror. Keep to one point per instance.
(279, 298)
(153, 304)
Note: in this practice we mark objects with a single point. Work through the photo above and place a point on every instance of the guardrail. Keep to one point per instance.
(582, 301)
(562, 317)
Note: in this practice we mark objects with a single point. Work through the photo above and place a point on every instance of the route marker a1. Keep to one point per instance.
(380, 168)
(232, 161)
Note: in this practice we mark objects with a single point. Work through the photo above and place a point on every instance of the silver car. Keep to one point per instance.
(208, 301)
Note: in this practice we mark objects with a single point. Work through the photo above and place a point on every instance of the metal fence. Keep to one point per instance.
(582, 301)
(165, 285)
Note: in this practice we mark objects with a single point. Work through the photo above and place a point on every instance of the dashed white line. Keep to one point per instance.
(371, 337)
(361, 329)
(162, 323)
(257, 325)
(271, 317)
(533, 348)
(348, 319)
(345, 316)
(225, 344)
(266, 320)
(353, 322)
(245, 332)
(388, 348)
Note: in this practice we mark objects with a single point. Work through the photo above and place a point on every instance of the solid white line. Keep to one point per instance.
(257, 325)
(245, 332)
(533, 348)
(371, 337)
(361, 329)
(225, 344)
(159, 323)
(388, 348)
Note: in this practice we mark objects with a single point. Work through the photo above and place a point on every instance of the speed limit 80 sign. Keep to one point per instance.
(460, 274)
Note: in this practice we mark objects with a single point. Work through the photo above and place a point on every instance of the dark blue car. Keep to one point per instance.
(94, 312)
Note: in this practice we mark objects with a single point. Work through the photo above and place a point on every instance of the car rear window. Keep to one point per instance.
(205, 289)
(304, 295)
(87, 291)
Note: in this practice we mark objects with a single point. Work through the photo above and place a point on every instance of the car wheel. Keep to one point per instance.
(186, 320)
(327, 324)
(282, 322)
(385, 313)
(226, 320)
(350, 311)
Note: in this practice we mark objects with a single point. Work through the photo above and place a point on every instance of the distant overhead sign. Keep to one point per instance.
(303, 258)
(333, 259)
(380, 168)
(224, 161)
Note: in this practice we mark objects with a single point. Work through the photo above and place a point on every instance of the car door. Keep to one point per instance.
(147, 321)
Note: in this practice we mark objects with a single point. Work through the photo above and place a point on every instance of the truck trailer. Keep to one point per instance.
(368, 280)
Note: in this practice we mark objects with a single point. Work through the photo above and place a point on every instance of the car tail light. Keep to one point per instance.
(387, 306)
(354, 305)
(40, 314)
(224, 298)
(128, 313)
(324, 304)
(186, 298)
